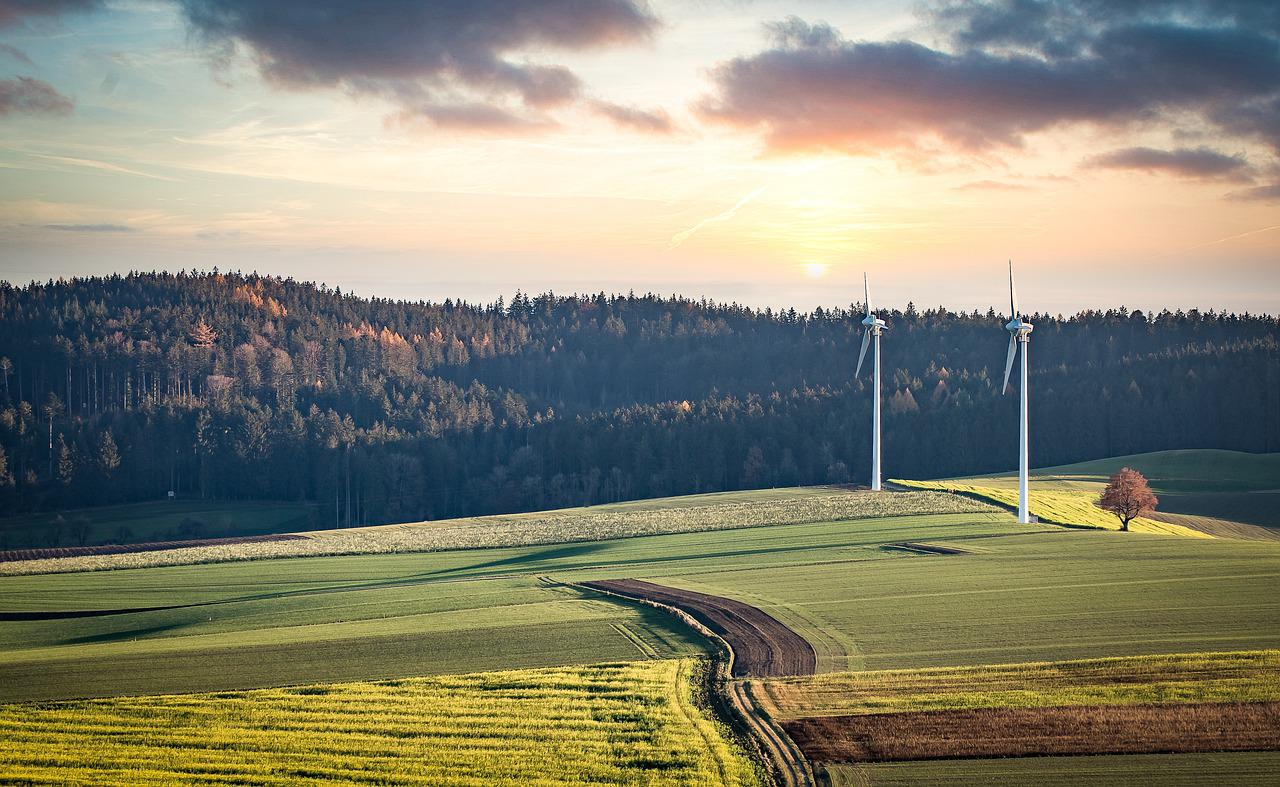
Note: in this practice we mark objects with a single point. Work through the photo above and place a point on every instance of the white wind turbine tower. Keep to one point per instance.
(1019, 333)
(874, 327)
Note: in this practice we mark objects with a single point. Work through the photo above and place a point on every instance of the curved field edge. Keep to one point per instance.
(700, 513)
(1071, 508)
(1234, 676)
(617, 723)
(1167, 770)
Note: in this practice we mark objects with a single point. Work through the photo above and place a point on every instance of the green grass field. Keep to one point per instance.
(1214, 491)
(1017, 594)
(624, 723)
(697, 513)
(159, 521)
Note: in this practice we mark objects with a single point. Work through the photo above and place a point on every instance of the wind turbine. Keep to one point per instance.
(874, 326)
(1019, 333)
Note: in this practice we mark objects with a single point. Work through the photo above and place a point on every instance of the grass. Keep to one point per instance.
(698, 513)
(249, 624)
(156, 521)
(1059, 506)
(1025, 593)
(1248, 676)
(625, 723)
(1235, 487)
(1167, 770)
(1032, 596)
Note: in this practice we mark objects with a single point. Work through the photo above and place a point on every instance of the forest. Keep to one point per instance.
(247, 387)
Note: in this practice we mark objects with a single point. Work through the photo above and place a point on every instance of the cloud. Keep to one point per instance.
(993, 185)
(1017, 68)
(1267, 193)
(476, 117)
(16, 12)
(90, 228)
(1186, 162)
(440, 60)
(654, 121)
(15, 53)
(30, 96)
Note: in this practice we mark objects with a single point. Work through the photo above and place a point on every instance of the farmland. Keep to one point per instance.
(1069, 617)
(696, 513)
(1224, 493)
(624, 723)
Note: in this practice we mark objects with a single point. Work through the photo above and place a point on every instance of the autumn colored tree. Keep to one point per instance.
(1128, 496)
(202, 335)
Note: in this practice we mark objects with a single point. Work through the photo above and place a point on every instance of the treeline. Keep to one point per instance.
(241, 386)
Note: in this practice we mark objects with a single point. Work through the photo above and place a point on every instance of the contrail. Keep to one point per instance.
(1233, 237)
(681, 237)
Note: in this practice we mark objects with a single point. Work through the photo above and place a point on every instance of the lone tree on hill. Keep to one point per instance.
(1128, 496)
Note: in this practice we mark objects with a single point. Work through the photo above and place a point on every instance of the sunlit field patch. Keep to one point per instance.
(621, 723)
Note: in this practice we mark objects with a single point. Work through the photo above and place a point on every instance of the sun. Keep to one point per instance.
(815, 270)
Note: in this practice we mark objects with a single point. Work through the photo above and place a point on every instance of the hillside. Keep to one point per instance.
(1222, 493)
(238, 387)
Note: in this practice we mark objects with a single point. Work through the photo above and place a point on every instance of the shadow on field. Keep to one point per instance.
(126, 634)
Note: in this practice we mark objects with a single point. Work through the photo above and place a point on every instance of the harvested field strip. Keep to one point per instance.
(1239, 676)
(624, 723)
(1062, 507)
(625, 520)
(10, 555)
(762, 646)
(1238, 769)
(1025, 732)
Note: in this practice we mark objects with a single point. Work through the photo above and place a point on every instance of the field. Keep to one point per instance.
(1166, 770)
(692, 514)
(626, 723)
(159, 521)
(1221, 493)
(1248, 676)
(906, 613)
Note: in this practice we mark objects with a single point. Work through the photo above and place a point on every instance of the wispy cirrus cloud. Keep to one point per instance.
(91, 228)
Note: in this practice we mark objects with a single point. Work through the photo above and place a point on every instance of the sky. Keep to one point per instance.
(760, 152)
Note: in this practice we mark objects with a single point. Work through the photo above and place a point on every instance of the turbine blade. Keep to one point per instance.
(866, 289)
(1008, 362)
(1013, 295)
(866, 339)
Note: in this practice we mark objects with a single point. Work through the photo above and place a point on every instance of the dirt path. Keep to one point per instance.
(762, 646)
(733, 699)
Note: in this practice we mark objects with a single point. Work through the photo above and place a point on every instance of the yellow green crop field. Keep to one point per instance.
(1059, 506)
(620, 723)
(1237, 676)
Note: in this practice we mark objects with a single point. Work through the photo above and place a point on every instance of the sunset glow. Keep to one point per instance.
(665, 147)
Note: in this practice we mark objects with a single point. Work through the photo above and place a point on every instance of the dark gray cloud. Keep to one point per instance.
(442, 59)
(1267, 193)
(653, 121)
(90, 228)
(1016, 67)
(1186, 162)
(16, 12)
(30, 96)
